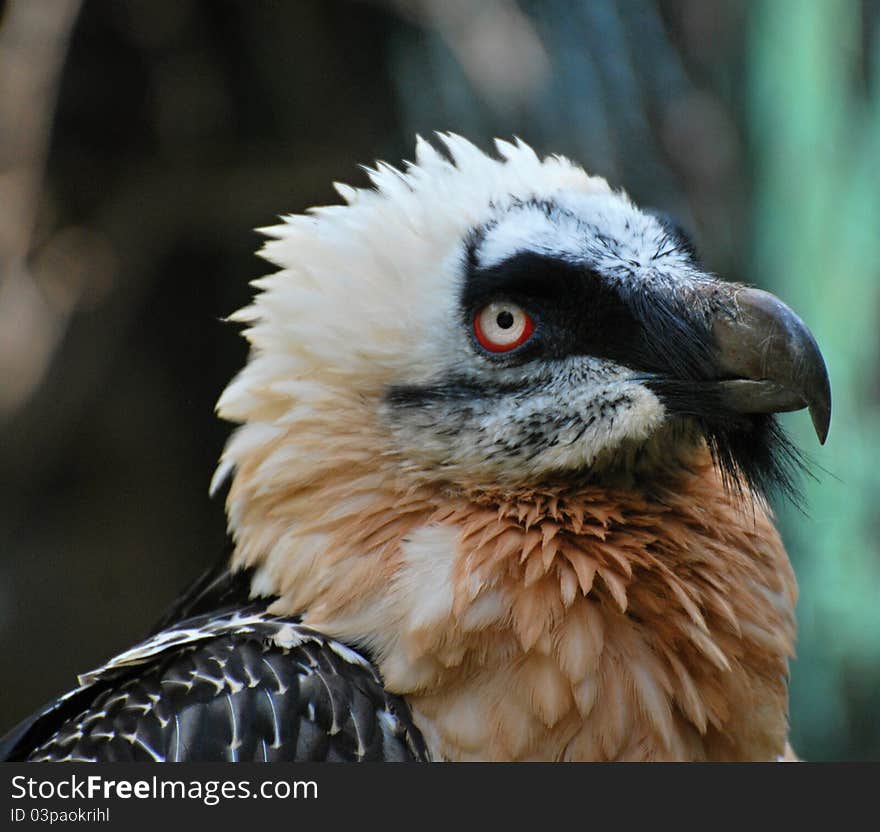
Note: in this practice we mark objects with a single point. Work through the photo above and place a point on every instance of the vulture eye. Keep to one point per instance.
(502, 326)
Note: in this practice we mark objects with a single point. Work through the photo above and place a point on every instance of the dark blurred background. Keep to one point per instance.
(142, 140)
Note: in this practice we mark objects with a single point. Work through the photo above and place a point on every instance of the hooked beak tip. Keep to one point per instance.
(821, 417)
(773, 358)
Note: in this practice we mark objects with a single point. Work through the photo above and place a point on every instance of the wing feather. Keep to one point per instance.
(234, 685)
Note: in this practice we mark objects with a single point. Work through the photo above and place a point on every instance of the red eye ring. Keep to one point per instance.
(502, 326)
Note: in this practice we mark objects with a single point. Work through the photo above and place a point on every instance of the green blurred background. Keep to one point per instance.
(141, 140)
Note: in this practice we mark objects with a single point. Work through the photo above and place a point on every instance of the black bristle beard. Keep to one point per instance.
(757, 455)
(752, 451)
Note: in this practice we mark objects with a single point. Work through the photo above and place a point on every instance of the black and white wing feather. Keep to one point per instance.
(238, 684)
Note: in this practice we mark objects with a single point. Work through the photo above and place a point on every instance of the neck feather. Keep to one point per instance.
(569, 622)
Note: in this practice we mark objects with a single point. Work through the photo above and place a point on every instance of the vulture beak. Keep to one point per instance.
(769, 360)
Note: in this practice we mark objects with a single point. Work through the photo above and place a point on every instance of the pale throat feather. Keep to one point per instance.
(547, 623)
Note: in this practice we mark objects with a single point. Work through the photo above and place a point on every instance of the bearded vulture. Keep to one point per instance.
(498, 492)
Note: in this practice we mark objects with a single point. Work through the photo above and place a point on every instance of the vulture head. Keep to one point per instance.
(498, 427)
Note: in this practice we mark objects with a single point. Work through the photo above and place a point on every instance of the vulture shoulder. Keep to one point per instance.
(234, 683)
